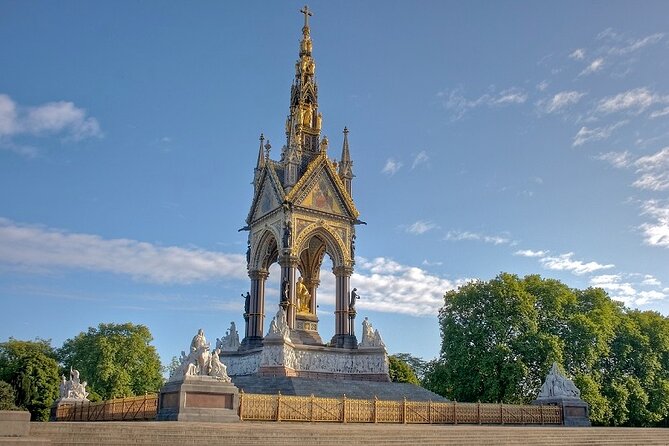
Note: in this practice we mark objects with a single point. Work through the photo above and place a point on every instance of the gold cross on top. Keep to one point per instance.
(307, 14)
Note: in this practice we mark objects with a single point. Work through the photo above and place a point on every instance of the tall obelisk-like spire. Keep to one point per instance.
(304, 122)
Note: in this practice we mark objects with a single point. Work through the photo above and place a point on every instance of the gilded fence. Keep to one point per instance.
(119, 409)
(254, 407)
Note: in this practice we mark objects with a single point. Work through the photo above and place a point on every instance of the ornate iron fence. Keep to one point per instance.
(254, 407)
(119, 409)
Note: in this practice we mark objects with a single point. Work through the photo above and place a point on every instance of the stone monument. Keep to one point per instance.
(558, 390)
(71, 391)
(302, 211)
(199, 389)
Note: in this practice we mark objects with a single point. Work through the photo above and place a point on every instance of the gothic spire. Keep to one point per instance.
(260, 164)
(303, 125)
(345, 164)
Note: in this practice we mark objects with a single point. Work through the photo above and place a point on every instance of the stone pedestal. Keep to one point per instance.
(575, 411)
(14, 423)
(199, 398)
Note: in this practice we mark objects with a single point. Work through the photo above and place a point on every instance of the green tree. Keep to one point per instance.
(400, 371)
(500, 337)
(30, 368)
(7, 397)
(115, 359)
(417, 364)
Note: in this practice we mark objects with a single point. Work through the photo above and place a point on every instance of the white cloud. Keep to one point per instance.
(586, 135)
(635, 101)
(385, 285)
(560, 101)
(421, 227)
(53, 118)
(650, 280)
(391, 167)
(594, 66)
(530, 253)
(616, 159)
(455, 100)
(38, 248)
(634, 45)
(659, 113)
(656, 232)
(543, 85)
(577, 54)
(429, 263)
(653, 171)
(510, 96)
(474, 236)
(566, 262)
(420, 158)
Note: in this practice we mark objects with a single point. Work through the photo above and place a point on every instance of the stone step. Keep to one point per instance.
(272, 385)
(329, 434)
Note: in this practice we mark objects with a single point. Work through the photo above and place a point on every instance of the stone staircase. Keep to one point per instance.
(331, 434)
(272, 385)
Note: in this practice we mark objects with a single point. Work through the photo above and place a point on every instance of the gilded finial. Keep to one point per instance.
(345, 130)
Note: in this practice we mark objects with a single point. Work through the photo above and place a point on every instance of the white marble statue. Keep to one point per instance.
(370, 337)
(73, 389)
(558, 386)
(229, 342)
(200, 361)
(278, 328)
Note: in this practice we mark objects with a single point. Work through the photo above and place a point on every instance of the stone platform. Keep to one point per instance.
(333, 434)
(334, 388)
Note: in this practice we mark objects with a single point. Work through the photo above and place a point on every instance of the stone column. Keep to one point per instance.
(256, 320)
(289, 273)
(342, 337)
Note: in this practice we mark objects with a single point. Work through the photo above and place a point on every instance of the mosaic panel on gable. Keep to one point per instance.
(323, 197)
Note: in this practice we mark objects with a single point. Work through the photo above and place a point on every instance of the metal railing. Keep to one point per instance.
(254, 407)
(119, 409)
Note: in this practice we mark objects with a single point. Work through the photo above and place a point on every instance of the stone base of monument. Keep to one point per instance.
(575, 412)
(199, 398)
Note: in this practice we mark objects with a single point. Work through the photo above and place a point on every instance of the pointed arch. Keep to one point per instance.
(266, 251)
(334, 246)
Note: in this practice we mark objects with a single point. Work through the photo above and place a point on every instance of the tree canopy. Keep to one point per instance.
(32, 371)
(500, 337)
(115, 360)
(400, 371)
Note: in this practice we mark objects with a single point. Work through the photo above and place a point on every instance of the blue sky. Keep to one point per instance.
(526, 137)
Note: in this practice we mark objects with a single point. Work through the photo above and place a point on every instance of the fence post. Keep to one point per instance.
(376, 408)
(241, 405)
(455, 413)
(404, 411)
(501, 413)
(123, 408)
(429, 411)
(278, 407)
(478, 411)
(343, 409)
(311, 408)
(541, 410)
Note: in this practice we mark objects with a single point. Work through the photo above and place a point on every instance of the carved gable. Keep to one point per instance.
(323, 196)
(267, 199)
(321, 189)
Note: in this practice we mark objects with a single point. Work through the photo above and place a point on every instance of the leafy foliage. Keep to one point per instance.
(7, 397)
(115, 359)
(418, 365)
(30, 368)
(400, 371)
(500, 337)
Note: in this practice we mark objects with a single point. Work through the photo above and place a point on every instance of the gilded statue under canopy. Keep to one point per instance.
(303, 297)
